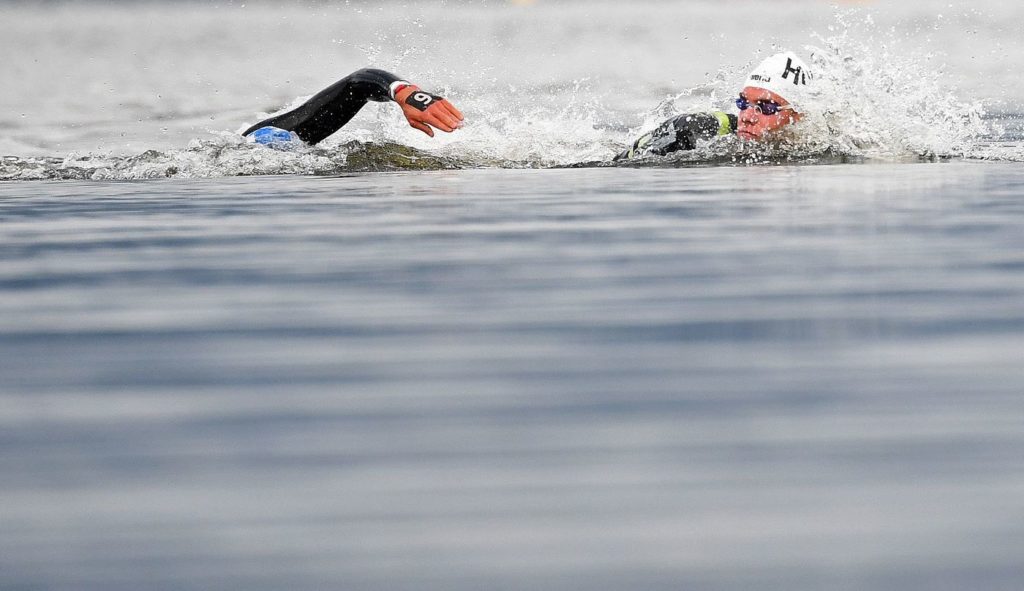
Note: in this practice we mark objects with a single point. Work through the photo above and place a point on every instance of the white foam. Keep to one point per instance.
(580, 86)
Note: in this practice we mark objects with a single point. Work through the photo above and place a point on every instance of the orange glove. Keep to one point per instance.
(424, 110)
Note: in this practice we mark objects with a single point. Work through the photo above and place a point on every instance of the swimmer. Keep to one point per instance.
(333, 107)
(770, 100)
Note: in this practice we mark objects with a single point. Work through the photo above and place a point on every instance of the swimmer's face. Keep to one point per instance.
(754, 123)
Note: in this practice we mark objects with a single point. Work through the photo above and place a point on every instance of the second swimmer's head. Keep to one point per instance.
(773, 95)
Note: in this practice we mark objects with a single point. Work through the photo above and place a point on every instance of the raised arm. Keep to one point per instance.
(330, 109)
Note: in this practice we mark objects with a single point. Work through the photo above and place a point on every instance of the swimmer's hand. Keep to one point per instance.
(424, 110)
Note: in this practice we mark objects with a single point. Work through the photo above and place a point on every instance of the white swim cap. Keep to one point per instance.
(785, 74)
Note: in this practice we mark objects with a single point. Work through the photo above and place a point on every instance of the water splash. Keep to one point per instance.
(875, 100)
(872, 101)
(526, 134)
(228, 155)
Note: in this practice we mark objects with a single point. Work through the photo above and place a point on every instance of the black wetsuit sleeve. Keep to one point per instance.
(681, 133)
(334, 106)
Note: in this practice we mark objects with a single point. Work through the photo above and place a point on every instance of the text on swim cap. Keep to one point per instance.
(799, 77)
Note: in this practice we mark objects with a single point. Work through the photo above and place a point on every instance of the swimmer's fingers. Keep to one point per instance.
(435, 114)
(423, 109)
(422, 121)
(451, 110)
(440, 118)
(421, 126)
(417, 119)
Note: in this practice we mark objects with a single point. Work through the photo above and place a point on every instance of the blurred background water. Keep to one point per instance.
(795, 376)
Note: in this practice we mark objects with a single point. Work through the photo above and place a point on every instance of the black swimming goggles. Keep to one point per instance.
(763, 107)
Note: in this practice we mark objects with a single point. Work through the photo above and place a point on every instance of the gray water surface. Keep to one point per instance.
(789, 377)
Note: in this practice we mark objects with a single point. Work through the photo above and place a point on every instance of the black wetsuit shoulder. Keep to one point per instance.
(331, 108)
(681, 133)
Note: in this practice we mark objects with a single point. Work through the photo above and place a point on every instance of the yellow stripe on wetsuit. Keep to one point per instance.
(724, 125)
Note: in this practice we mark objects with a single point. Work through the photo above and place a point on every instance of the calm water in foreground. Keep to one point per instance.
(799, 377)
